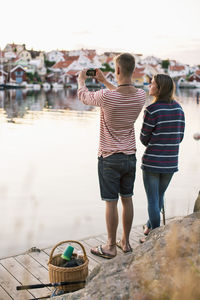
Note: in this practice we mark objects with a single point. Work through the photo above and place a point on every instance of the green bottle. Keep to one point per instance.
(67, 253)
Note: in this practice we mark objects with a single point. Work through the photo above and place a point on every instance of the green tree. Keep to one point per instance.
(106, 68)
(37, 77)
(30, 77)
(165, 64)
(49, 64)
(33, 78)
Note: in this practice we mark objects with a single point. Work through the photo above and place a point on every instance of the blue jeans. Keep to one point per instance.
(155, 186)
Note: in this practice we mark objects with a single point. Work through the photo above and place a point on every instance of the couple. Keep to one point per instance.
(161, 133)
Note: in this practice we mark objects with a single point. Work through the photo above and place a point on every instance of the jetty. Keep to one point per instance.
(31, 267)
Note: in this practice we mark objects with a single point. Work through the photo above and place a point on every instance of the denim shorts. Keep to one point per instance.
(116, 176)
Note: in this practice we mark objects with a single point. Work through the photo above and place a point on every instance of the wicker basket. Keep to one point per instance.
(59, 274)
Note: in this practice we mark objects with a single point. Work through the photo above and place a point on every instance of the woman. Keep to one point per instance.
(162, 132)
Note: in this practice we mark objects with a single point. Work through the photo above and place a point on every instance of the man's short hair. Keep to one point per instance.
(126, 62)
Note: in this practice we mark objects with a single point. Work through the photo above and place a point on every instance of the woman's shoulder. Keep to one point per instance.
(176, 103)
(163, 105)
(151, 107)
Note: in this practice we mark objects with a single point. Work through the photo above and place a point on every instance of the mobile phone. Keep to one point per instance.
(91, 72)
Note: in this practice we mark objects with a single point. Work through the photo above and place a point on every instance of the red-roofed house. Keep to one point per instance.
(18, 74)
(195, 78)
(14, 48)
(178, 70)
(110, 62)
(198, 72)
(70, 77)
(110, 76)
(62, 66)
(139, 77)
(83, 62)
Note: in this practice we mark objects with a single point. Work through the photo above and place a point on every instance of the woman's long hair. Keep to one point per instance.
(166, 88)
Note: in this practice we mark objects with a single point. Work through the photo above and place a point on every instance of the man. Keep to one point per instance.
(119, 109)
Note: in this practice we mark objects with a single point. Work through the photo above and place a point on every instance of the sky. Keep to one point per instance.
(166, 29)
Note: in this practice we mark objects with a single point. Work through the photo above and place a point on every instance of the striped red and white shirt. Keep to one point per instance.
(118, 113)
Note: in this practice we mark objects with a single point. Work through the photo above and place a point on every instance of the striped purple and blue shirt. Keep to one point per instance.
(162, 131)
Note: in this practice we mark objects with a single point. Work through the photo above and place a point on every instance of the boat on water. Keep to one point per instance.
(91, 85)
(182, 83)
(31, 86)
(46, 86)
(138, 84)
(36, 86)
(12, 85)
(196, 83)
(57, 86)
(71, 85)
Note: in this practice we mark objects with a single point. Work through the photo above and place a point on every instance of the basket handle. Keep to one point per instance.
(64, 242)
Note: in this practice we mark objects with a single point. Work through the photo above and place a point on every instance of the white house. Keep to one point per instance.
(178, 70)
(83, 62)
(63, 66)
(25, 55)
(150, 60)
(10, 55)
(55, 56)
(150, 70)
(3, 76)
(16, 48)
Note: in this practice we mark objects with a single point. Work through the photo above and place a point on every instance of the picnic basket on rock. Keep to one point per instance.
(60, 274)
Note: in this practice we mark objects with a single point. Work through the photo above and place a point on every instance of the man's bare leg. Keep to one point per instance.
(111, 223)
(127, 219)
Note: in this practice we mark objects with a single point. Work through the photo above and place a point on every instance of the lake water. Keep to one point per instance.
(48, 181)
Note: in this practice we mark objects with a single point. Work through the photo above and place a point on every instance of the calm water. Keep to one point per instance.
(48, 182)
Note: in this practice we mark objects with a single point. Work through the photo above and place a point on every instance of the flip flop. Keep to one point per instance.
(99, 252)
(119, 245)
(142, 240)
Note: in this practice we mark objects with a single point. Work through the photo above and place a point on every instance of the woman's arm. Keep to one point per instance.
(147, 128)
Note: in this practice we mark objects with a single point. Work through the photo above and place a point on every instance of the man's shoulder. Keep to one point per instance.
(138, 93)
(141, 91)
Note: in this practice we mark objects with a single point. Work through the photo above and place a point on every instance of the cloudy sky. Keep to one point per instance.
(167, 29)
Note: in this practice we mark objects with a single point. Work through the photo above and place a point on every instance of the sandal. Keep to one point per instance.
(143, 239)
(146, 229)
(119, 245)
(98, 251)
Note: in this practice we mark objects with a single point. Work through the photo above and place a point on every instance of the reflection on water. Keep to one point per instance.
(188, 94)
(48, 181)
(17, 103)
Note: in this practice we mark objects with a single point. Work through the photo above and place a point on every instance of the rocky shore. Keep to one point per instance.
(165, 267)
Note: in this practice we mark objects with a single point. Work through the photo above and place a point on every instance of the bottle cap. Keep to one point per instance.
(67, 253)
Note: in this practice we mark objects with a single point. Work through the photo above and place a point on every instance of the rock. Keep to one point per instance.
(33, 249)
(166, 266)
(196, 136)
(197, 204)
